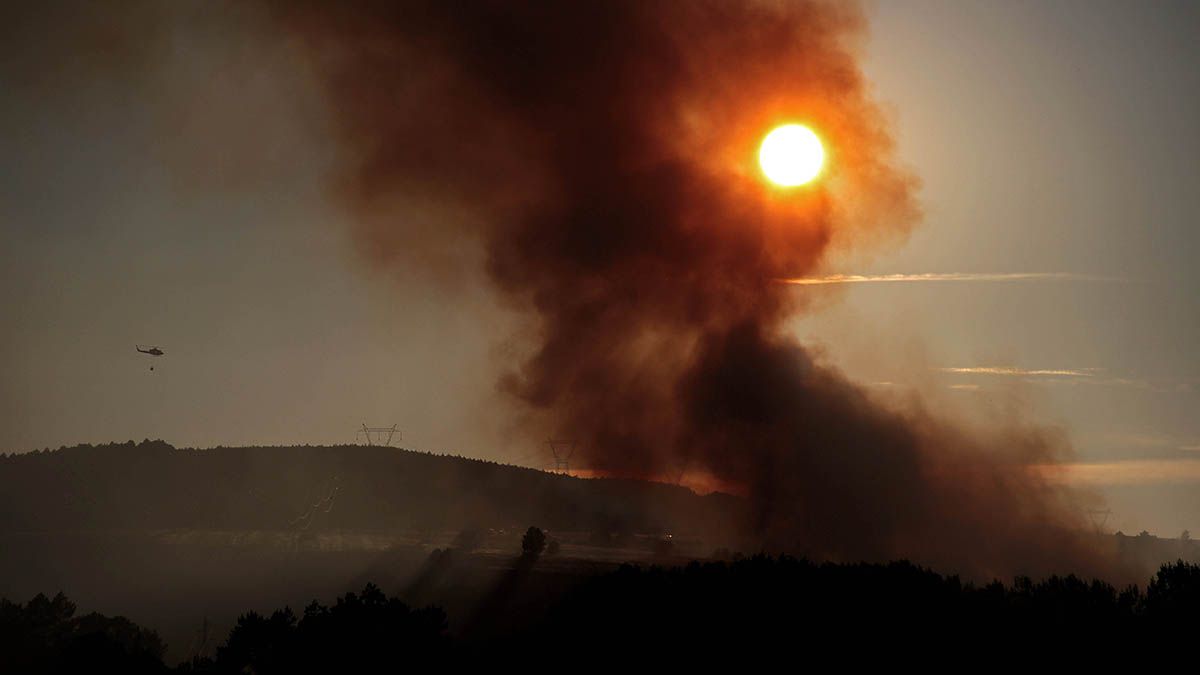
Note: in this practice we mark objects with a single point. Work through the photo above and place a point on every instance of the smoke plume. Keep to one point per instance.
(603, 154)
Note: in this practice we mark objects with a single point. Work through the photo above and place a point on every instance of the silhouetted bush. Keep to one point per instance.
(533, 542)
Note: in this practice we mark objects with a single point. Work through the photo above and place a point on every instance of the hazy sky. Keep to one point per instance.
(177, 197)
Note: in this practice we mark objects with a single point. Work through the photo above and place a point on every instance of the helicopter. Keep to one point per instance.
(152, 351)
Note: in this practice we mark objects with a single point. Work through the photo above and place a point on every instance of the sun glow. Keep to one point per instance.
(791, 155)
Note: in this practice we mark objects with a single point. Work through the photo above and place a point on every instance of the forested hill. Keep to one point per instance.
(152, 485)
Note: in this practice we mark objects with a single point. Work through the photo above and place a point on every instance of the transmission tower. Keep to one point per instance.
(200, 644)
(1099, 518)
(562, 451)
(378, 435)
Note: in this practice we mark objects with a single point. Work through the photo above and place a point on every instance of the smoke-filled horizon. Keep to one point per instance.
(602, 153)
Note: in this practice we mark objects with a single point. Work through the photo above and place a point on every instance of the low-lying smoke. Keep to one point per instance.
(603, 153)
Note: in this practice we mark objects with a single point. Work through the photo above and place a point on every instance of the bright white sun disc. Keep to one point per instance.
(791, 155)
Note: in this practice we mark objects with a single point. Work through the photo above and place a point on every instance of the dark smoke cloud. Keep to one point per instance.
(603, 153)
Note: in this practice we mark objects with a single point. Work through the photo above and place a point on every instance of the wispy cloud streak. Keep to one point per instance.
(1013, 371)
(1125, 472)
(940, 276)
(1072, 377)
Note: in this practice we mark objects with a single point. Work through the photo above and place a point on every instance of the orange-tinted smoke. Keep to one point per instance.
(604, 155)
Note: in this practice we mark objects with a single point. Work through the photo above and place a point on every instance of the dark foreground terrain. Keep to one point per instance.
(176, 539)
(190, 546)
(750, 608)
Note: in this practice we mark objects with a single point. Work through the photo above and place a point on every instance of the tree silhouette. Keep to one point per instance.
(760, 601)
(44, 636)
(533, 543)
(367, 632)
(1173, 597)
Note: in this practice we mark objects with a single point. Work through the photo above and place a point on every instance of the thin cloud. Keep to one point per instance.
(940, 276)
(1125, 472)
(1070, 377)
(1012, 371)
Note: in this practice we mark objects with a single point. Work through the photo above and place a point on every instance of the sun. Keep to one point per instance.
(791, 155)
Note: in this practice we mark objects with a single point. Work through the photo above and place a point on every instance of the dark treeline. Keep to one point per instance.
(154, 486)
(44, 635)
(771, 606)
